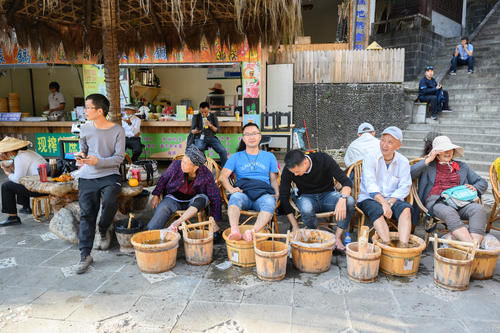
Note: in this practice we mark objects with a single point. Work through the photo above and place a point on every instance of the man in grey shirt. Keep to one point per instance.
(102, 149)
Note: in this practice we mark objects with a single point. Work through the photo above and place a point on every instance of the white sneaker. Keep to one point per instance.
(434, 117)
(453, 73)
(104, 241)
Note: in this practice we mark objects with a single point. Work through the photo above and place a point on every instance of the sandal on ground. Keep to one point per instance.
(217, 236)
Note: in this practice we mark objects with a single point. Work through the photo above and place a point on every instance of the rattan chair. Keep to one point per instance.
(252, 214)
(495, 210)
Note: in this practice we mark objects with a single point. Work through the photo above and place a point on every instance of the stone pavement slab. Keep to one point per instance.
(11, 297)
(319, 320)
(158, 311)
(432, 324)
(99, 307)
(48, 326)
(56, 304)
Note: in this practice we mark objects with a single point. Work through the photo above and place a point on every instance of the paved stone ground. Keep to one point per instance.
(38, 293)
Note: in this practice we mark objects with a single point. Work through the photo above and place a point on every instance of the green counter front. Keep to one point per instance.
(162, 140)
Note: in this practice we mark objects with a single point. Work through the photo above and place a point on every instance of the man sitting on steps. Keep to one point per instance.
(433, 93)
(463, 56)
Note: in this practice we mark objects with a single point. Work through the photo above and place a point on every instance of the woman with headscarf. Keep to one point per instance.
(186, 185)
(17, 162)
(439, 172)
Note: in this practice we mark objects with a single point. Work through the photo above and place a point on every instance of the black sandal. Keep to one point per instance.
(218, 236)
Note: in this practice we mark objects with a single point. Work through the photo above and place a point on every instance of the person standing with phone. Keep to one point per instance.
(102, 149)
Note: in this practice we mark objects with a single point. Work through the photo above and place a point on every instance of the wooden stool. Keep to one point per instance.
(37, 207)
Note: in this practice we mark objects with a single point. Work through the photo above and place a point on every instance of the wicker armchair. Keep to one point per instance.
(495, 210)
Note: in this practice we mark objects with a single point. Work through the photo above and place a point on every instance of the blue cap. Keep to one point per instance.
(395, 132)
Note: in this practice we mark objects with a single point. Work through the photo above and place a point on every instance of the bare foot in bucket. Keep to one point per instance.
(247, 235)
(339, 245)
(235, 235)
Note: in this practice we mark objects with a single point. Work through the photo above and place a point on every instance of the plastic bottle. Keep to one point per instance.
(347, 239)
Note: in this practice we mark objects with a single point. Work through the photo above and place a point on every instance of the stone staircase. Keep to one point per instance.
(475, 100)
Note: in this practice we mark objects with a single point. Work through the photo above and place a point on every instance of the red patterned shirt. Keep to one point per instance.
(446, 177)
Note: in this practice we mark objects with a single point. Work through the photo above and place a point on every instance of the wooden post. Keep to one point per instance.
(110, 25)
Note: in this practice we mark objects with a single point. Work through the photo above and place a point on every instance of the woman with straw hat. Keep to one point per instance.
(439, 172)
(17, 162)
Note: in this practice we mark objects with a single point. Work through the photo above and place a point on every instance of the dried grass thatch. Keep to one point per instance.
(175, 24)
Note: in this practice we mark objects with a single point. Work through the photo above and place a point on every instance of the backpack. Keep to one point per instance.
(459, 196)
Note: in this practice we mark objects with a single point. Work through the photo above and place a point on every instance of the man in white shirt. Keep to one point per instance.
(363, 145)
(56, 99)
(385, 183)
(17, 162)
(132, 126)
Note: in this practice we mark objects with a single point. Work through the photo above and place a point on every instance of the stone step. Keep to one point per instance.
(475, 108)
(474, 95)
(469, 116)
(467, 145)
(464, 130)
(449, 121)
(494, 91)
(419, 131)
(473, 84)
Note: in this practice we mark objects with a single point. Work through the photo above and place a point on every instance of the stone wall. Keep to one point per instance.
(420, 43)
(476, 12)
(333, 112)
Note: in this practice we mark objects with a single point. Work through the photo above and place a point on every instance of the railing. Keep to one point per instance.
(346, 66)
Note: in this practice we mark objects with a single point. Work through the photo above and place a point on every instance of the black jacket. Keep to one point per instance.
(254, 188)
(427, 87)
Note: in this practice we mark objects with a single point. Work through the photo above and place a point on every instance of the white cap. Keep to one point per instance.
(395, 132)
(365, 127)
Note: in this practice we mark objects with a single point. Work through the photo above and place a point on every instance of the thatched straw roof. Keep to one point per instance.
(77, 24)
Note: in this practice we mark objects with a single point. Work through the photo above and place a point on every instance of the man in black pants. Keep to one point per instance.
(431, 92)
(204, 126)
(313, 175)
(132, 126)
(102, 148)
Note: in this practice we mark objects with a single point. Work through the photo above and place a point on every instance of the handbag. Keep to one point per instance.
(148, 169)
(459, 196)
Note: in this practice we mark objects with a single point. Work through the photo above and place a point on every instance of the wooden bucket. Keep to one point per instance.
(363, 267)
(241, 253)
(453, 267)
(312, 250)
(400, 261)
(484, 264)
(271, 256)
(156, 250)
(198, 242)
